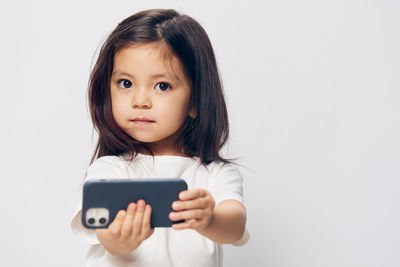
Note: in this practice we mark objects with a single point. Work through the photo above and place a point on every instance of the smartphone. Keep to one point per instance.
(103, 198)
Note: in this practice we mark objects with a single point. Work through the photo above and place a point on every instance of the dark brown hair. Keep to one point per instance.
(201, 137)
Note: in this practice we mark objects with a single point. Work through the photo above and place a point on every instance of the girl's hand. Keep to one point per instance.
(196, 207)
(128, 230)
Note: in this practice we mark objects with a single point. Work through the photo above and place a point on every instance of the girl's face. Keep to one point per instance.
(150, 96)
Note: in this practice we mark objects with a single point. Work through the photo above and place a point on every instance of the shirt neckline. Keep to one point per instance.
(140, 155)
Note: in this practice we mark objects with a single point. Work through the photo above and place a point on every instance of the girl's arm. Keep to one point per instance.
(224, 223)
(227, 223)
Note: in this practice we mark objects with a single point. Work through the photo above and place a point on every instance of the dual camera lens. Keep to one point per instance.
(97, 217)
(93, 221)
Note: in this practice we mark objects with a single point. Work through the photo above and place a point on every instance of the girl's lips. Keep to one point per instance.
(142, 121)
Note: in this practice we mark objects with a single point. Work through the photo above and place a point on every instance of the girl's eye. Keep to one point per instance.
(163, 86)
(124, 83)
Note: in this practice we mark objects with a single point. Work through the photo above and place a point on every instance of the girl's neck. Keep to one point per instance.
(162, 151)
(166, 147)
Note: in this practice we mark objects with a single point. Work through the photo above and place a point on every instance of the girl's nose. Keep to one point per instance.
(141, 99)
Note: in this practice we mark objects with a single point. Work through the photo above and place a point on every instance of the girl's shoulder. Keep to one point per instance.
(124, 166)
(108, 161)
(219, 166)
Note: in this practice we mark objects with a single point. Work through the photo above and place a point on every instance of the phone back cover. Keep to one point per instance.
(116, 194)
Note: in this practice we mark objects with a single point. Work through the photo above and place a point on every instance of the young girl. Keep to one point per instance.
(156, 100)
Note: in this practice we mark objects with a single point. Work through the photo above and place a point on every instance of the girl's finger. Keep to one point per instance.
(127, 224)
(192, 194)
(147, 216)
(186, 215)
(115, 226)
(190, 224)
(198, 203)
(146, 221)
(138, 220)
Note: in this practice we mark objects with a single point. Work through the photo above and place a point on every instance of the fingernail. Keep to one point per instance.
(183, 195)
(177, 206)
(173, 215)
(141, 203)
(133, 206)
(147, 207)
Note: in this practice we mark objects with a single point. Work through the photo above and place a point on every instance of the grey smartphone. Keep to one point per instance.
(103, 198)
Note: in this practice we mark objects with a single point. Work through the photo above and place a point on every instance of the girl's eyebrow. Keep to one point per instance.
(116, 73)
(160, 75)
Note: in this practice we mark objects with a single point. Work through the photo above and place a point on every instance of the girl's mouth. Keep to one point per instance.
(142, 121)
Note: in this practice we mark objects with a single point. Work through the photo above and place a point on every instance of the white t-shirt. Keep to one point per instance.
(166, 247)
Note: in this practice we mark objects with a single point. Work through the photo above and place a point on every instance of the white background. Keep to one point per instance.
(313, 93)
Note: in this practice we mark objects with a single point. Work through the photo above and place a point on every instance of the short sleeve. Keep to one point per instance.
(226, 183)
(102, 168)
(244, 240)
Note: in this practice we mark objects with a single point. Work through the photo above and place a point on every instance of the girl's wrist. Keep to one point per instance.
(117, 252)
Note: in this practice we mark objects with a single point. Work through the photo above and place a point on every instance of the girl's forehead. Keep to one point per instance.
(158, 51)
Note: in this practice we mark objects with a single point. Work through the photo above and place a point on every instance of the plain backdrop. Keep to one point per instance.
(313, 93)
